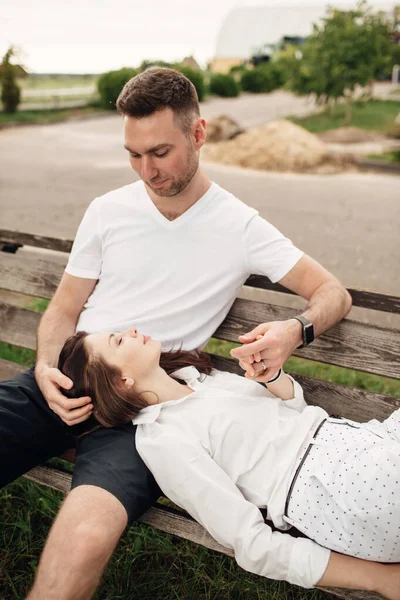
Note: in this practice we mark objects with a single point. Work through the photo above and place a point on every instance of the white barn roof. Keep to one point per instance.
(247, 29)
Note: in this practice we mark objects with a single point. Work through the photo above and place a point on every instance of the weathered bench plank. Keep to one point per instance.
(8, 369)
(30, 274)
(18, 326)
(335, 398)
(38, 241)
(361, 298)
(349, 344)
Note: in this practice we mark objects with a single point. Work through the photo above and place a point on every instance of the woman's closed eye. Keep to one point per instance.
(119, 342)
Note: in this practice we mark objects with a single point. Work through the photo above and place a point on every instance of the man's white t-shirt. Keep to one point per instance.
(173, 280)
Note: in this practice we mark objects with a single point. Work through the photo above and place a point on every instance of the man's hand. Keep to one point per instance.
(272, 343)
(71, 410)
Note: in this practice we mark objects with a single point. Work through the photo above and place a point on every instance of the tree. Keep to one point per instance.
(10, 91)
(348, 49)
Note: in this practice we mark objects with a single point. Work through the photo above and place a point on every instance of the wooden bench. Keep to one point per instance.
(33, 265)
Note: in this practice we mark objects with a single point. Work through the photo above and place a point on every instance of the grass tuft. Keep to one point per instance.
(372, 115)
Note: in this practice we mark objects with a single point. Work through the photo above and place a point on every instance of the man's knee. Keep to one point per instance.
(92, 519)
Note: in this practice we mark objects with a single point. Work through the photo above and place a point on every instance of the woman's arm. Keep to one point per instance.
(192, 479)
(283, 388)
(353, 573)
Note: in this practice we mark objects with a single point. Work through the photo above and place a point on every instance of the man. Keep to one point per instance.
(168, 255)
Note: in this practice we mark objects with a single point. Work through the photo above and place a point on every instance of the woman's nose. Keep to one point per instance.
(132, 332)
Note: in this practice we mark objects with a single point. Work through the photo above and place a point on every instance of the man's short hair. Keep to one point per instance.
(158, 88)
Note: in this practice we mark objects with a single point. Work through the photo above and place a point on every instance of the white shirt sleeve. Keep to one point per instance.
(86, 254)
(192, 479)
(297, 402)
(268, 251)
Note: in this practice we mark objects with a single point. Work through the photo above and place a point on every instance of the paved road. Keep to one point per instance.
(251, 110)
(349, 222)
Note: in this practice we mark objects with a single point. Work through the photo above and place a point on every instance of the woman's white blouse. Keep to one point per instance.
(226, 450)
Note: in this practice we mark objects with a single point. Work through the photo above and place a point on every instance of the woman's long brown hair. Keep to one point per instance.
(114, 404)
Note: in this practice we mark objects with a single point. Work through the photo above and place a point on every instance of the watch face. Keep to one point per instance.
(309, 333)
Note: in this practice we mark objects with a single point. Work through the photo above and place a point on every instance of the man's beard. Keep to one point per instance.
(179, 184)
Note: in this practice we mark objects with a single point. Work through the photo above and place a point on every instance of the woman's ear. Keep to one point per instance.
(128, 381)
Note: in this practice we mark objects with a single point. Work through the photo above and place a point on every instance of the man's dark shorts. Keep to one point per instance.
(31, 433)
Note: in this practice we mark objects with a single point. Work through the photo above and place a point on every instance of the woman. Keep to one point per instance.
(222, 446)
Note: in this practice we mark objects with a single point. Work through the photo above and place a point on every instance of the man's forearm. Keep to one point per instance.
(327, 306)
(55, 327)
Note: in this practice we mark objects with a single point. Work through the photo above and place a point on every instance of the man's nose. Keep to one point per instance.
(147, 171)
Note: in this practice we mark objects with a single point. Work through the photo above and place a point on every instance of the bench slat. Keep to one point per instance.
(349, 344)
(30, 274)
(18, 326)
(361, 298)
(335, 398)
(38, 241)
(8, 369)
(172, 522)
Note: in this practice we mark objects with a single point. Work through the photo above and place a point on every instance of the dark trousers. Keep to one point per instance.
(31, 433)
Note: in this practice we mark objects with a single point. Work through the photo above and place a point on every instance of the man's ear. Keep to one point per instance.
(199, 130)
(128, 381)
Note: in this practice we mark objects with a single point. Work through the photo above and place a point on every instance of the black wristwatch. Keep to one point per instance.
(308, 330)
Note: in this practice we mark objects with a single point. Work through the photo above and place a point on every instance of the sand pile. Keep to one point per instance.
(222, 128)
(277, 146)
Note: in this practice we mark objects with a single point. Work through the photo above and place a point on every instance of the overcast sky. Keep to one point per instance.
(93, 36)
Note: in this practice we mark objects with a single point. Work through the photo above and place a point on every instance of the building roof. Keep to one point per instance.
(246, 29)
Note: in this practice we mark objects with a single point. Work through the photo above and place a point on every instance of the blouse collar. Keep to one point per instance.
(150, 413)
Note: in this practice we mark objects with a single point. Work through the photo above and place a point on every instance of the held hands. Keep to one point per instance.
(71, 410)
(269, 343)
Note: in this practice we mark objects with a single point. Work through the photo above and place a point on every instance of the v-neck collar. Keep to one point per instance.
(188, 214)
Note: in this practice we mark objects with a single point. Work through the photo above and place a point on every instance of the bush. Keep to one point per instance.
(278, 73)
(10, 93)
(260, 79)
(196, 77)
(223, 85)
(110, 85)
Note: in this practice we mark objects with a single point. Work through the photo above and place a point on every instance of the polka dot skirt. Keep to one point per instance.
(347, 494)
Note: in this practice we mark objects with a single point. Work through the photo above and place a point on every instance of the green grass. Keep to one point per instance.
(48, 115)
(147, 564)
(376, 115)
(391, 157)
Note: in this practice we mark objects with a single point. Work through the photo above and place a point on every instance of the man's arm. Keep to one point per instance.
(57, 324)
(328, 303)
(328, 299)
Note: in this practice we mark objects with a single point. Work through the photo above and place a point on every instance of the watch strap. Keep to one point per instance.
(308, 330)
